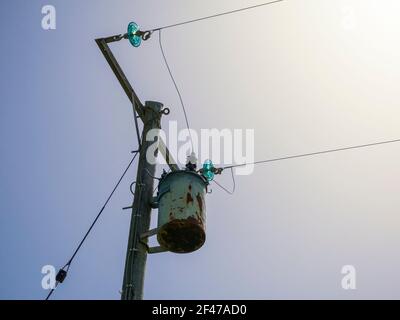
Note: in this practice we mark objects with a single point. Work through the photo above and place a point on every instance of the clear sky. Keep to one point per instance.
(307, 75)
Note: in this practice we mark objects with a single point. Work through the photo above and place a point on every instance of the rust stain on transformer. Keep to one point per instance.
(200, 202)
(182, 235)
(189, 198)
(199, 218)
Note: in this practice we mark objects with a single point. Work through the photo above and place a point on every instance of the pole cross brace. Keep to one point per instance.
(129, 91)
(152, 250)
(149, 233)
(158, 249)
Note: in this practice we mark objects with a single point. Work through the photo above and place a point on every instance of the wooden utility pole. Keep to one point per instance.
(150, 114)
(136, 255)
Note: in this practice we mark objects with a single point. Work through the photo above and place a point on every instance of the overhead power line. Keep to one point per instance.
(176, 86)
(314, 153)
(231, 192)
(187, 22)
(216, 15)
(63, 271)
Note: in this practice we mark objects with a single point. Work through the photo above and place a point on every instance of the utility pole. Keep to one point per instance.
(150, 114)
(136, 255)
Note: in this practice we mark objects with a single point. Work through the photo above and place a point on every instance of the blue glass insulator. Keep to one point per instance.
(134, 39)
(208, 170)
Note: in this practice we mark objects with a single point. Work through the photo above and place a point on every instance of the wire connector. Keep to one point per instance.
(61, 275)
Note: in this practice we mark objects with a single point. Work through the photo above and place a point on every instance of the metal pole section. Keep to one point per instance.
(135, 265)
(105, 49)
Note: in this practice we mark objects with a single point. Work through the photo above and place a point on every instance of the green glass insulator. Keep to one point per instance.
(134, 39)
(208, 170)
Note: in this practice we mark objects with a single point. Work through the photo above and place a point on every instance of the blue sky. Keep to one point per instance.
(292, 72)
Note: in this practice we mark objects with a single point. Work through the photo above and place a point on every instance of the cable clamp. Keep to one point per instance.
(214, 170)
(61, 275)
(165, 111)
(145, 35)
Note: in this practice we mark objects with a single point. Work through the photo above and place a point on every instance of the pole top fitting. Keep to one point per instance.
(154, 105)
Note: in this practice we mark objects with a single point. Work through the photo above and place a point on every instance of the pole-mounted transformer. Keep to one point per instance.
(182, 211)
(181, 193)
